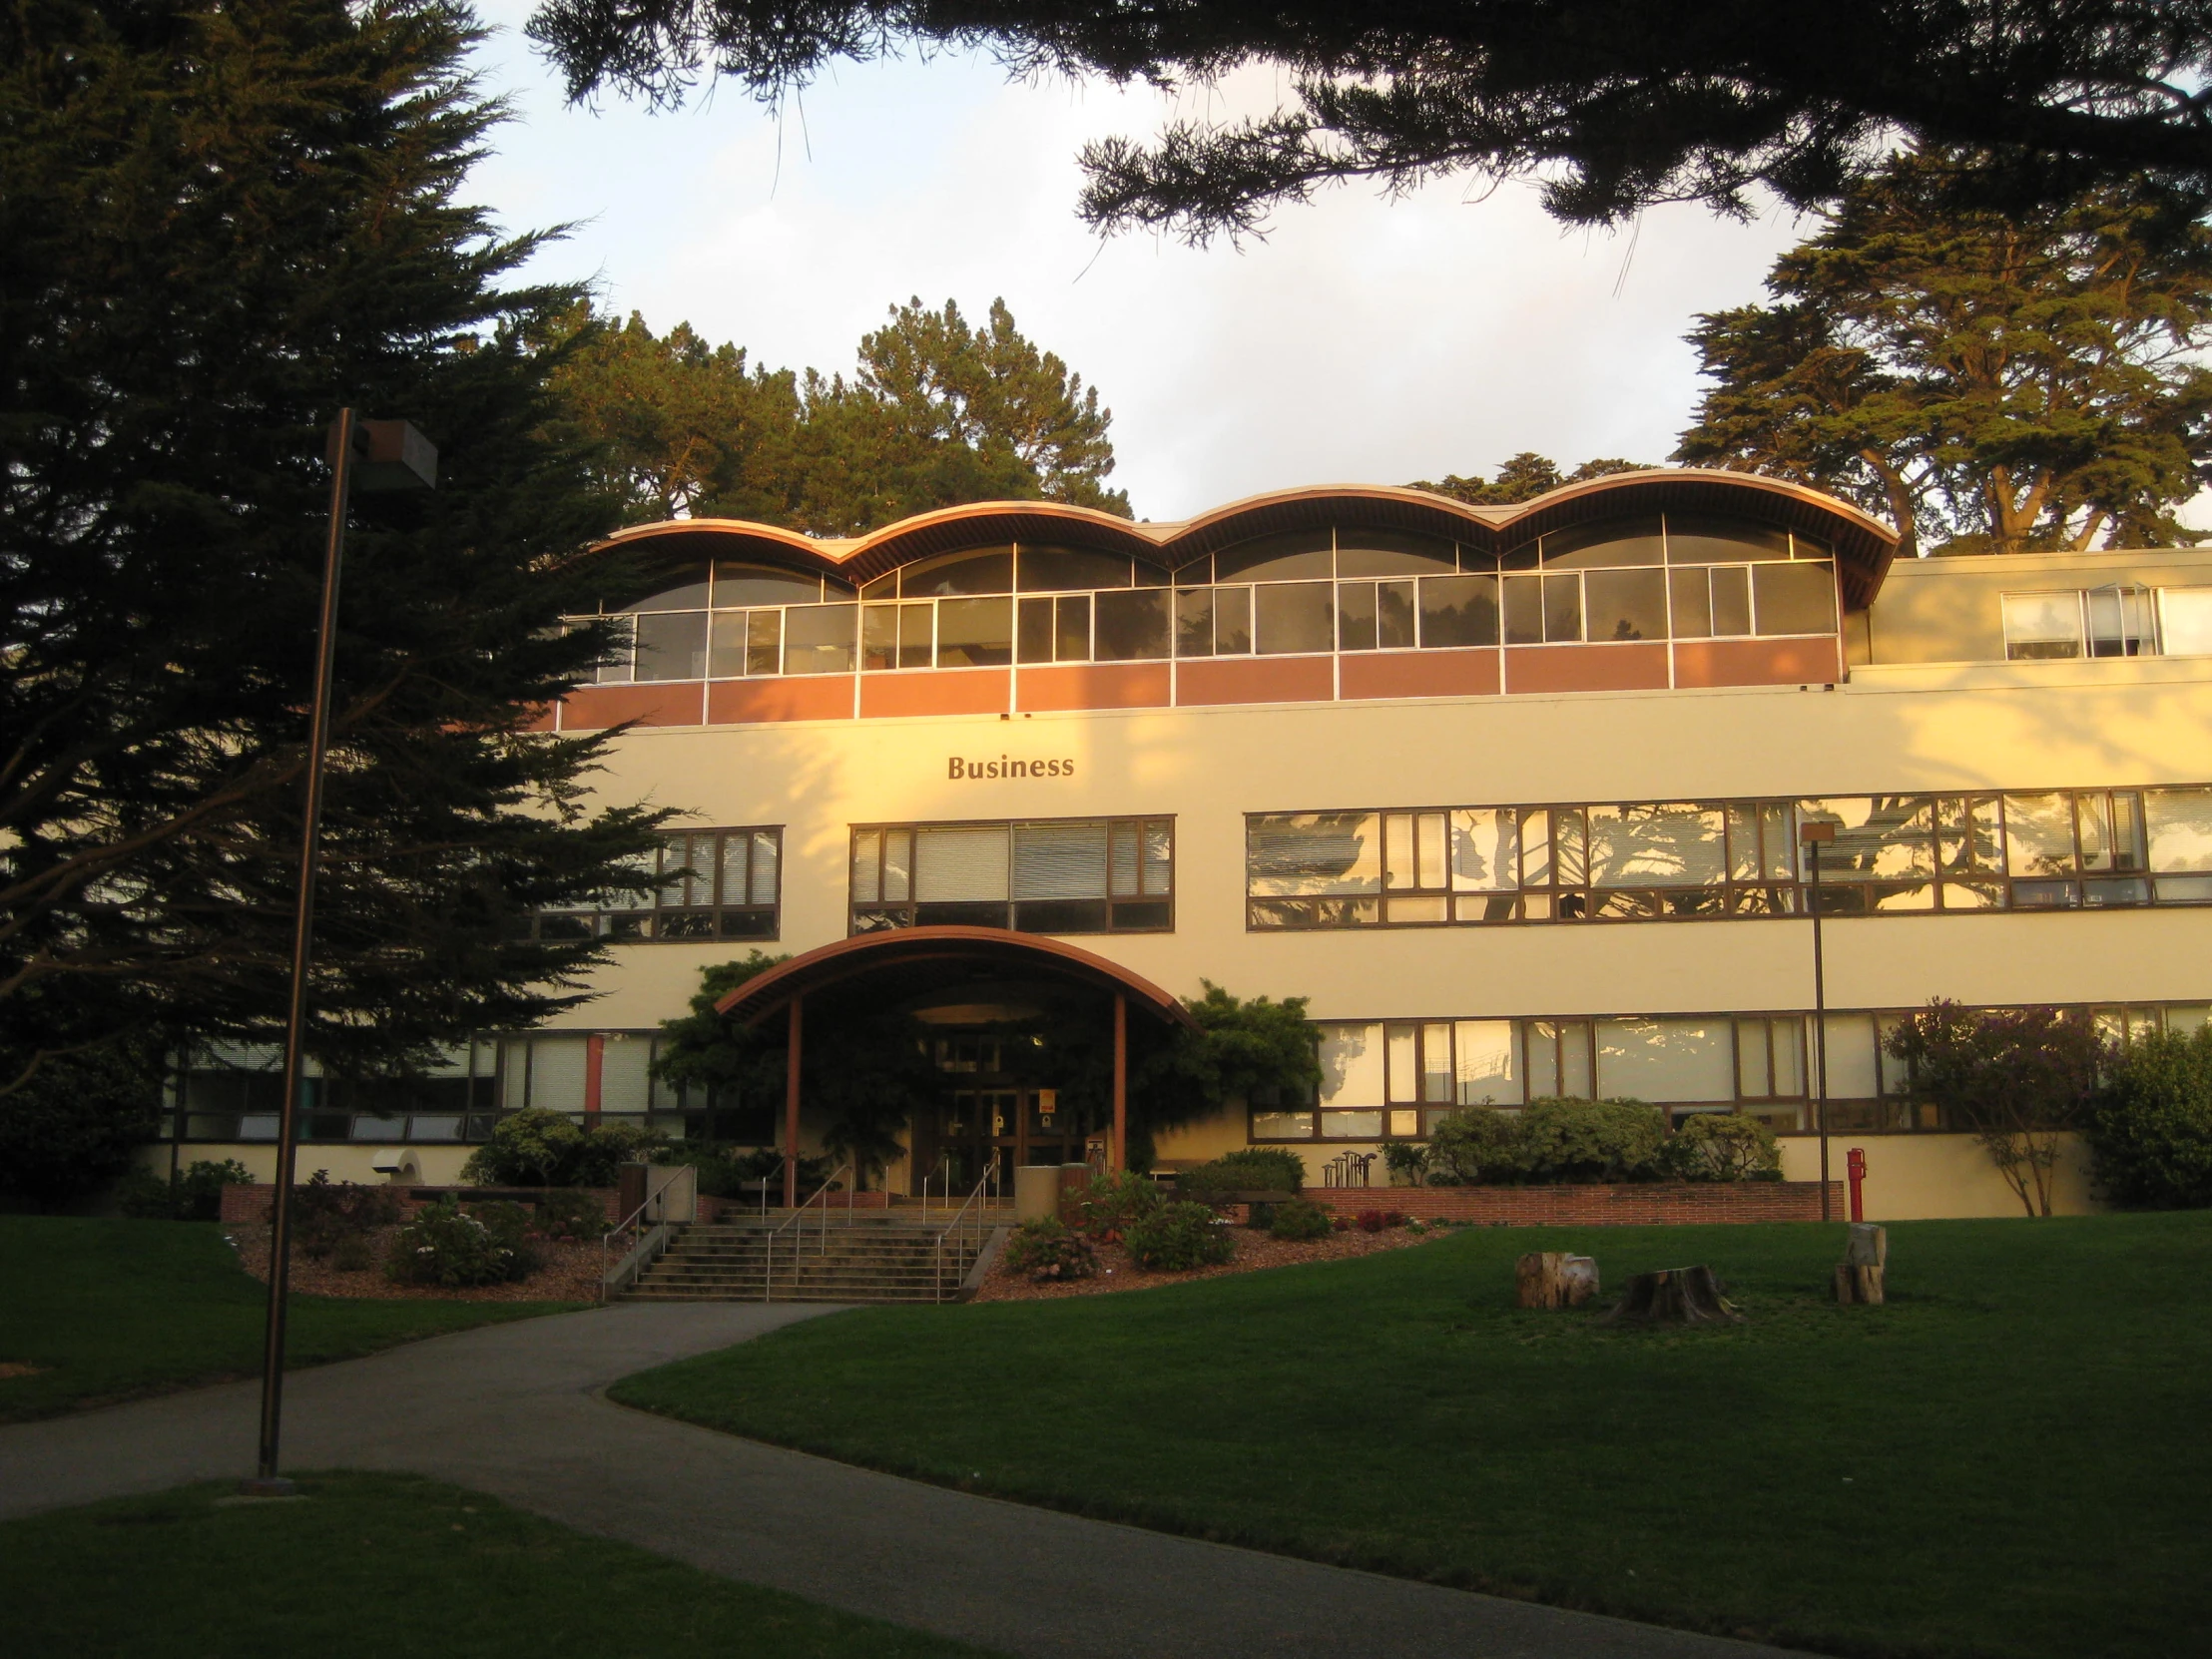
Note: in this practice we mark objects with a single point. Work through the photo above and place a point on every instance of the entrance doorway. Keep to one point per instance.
(988, 1113)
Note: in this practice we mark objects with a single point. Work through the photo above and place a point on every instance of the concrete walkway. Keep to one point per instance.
(513, 1410)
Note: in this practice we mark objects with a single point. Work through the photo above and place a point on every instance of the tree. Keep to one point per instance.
(1990, 381)
(2015, 1079)
(218, 223)
(75, 1126)
(685, 429)
(867, 1081)
(1257, 1051)
(1523, 477)
(937, 413)
(1613, 105)
(2150, 1130)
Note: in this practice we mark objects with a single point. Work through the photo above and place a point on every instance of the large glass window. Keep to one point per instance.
(1666, 860)
(2115, 620)
(1044, 875)
(710, 885)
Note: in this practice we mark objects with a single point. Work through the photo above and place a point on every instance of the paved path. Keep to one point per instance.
(513, 1410)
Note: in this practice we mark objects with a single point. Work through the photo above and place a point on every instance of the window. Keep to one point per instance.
(2115, 620)
(2185, 621)
(1685, 860)
(712, 884)
(1050, 876)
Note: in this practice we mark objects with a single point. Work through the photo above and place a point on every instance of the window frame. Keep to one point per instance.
(880, 915)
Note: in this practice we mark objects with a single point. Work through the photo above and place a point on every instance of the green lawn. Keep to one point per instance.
(113, 1308)
(379, 1566)
(2012, 1457)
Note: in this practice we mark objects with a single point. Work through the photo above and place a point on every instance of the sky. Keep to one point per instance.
(1365, 339)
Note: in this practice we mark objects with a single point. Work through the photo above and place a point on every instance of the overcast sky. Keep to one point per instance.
(1367, 340)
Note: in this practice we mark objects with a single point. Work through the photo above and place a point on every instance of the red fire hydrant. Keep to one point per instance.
(1855, 1165)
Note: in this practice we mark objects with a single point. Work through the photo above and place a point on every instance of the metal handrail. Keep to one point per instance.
(627, 1221)
(797, 1218)
(943, 1166)
(988, 1183)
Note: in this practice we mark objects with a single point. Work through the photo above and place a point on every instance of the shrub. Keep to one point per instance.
(566, 1213)
(444, 1246)
(1407, 1162)
(1724, 1146)
(539, 1148)
(1593, 1140)
(1477, 1146)
(2150, 1131)
(1047, 1250)
(1300, 1220)
(1111, 1204)
(1261, 1169)
(194, 1194)
(325, 1212)
(352, 1254)
(1177, 1238)
(1377, 1221)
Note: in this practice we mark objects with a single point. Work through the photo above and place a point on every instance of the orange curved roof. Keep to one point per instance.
(848, 958)
(1864, 544)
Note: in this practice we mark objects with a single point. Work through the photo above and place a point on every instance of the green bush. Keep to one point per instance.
(352, 1254)
(1047, 1250)
(446, 1246)
(1111, 1204)
(325, 1212)
(1407, 1161)
(77, 1122)
(1477, 1146)
(2150, 1130)
(194, 1194)
(1301, 1221)
(1260, 1169)
(540, 1148)
(566, 1213)
(1177, 1238)
(1724, 1146)
(1593, 1140)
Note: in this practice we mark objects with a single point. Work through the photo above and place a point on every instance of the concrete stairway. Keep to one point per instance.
(880, 1258)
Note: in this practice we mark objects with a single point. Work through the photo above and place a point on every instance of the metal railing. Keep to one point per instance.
(651, 1226)
(980, 1201)
(796, 1225)
(944, 1168)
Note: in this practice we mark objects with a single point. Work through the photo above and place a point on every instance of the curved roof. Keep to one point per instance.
(1864, 545)
(864, 953)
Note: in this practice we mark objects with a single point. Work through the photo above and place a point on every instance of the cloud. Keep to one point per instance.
(1365, 339)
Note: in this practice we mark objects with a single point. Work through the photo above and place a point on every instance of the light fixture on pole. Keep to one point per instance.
(1813, 836)
(364, 456)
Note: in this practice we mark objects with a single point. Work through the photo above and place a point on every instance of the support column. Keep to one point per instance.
(595, 1072)
(790, 1105)
(1120, 1151)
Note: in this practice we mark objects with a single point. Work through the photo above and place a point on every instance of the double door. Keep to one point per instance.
(975, 1127)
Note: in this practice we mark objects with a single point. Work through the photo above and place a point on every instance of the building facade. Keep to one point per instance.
(1512, 797)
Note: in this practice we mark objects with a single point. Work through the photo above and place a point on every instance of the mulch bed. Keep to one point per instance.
(1253, 1251)
(18, 1368)
(570, 1273)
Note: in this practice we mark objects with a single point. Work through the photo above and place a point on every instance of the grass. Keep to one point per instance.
(381, 1566)
(112, 1309)
(2011, 1459)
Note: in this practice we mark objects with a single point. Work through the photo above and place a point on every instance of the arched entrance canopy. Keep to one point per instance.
(831, 964)
(788, 985)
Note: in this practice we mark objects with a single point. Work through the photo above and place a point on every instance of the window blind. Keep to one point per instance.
(955, 865)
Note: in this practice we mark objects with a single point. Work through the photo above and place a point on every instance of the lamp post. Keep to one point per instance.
(1813, 836)
(366, 456)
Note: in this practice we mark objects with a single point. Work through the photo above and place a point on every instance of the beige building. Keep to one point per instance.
(1513, 796)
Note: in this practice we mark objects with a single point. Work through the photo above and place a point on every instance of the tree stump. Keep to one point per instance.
(1858, 1274)
(1674, 1295)
(1553, 1278)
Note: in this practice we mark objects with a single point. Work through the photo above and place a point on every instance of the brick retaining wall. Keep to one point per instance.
(1643, 1204)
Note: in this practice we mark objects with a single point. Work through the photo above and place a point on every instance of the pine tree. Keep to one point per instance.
(1993, 382)
(217, 224)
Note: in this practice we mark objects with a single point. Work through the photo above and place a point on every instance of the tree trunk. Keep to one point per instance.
(1674, 1295)
(1861, 1286)
(1553, 1278)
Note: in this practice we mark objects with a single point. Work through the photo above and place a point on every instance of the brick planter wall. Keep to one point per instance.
(1644, 1204)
